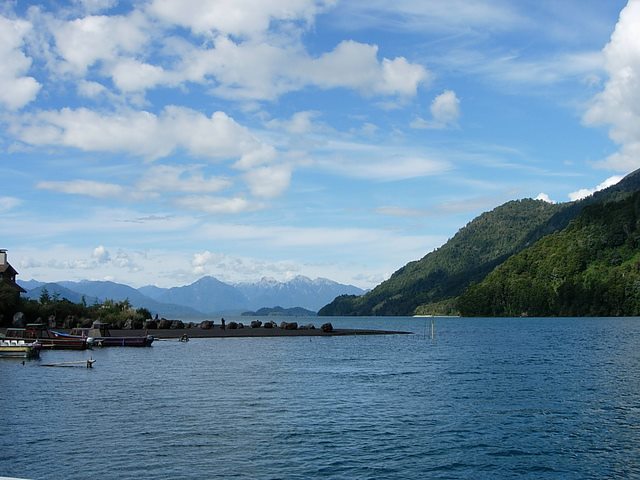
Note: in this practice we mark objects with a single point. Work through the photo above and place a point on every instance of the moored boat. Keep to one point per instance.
(19, 349)
(102, 337)
(46, 338)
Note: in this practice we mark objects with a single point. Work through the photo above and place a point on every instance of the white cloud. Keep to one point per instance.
(300, 122)
(240, 50)
(262, 155)
(544, 197)
(391, 169)
(171, 178)
(585, 192)
(245, 18)
(355, 65)
(8, 203)
(89, 188)
(445, 108)
(83, 42)
(134, 76)
(139, 132)
(270, 181)
(236, 268)
(445, 111)
(216, 205)
(101, 254)
(618, 105)
(16, 89)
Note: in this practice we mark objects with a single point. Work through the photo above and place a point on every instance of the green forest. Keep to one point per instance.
(526, 257)
(592, 268)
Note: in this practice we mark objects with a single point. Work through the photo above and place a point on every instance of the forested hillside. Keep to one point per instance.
(432, 285)
(469, 256)
(592, 268)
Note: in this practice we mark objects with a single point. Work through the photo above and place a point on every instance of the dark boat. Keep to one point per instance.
(101, 336)
(47, 338)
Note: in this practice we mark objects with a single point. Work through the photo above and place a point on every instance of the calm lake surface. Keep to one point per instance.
(487, 398)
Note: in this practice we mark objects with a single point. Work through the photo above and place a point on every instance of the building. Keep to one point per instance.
(8, 273)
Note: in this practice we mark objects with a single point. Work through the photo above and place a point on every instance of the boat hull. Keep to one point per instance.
(123, 342)
(47, 339)
(13, 349)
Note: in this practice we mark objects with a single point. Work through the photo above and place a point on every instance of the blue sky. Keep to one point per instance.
(157, 141)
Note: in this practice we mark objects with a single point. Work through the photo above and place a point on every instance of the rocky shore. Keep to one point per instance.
(217, 332)
(256, 328)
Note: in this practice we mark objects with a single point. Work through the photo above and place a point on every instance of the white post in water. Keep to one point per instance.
(433, 329)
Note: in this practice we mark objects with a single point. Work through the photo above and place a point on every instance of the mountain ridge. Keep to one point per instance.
(205, 297)
(432, 284)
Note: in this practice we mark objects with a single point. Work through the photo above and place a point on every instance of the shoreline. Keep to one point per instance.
(217, 332)
(261, 332)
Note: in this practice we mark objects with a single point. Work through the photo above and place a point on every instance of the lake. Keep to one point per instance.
(486, 398)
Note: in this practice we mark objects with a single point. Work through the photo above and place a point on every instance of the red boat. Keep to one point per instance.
(47, 338)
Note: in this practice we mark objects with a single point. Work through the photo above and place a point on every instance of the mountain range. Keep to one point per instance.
(205, 297)
(474, 273)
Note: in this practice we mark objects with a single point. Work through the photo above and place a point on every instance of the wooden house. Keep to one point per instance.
(8, 273)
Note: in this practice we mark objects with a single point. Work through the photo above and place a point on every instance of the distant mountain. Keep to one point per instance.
(297, 292)
(30, 284)
(207, 295)
(55, 290)
(152, 291)
(281, 312)
(103, 290)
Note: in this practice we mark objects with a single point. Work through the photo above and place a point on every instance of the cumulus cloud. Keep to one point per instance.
(355, 65)
(265, 71)
(101, 254)
(83, 42)
(16, 89)
(585, 192)
(240, 49)
(445, 108)
(237, 268)
(138, 132)
(445, 111)
(618, 105)
(544, 197)
(269, 181)
(244, 18)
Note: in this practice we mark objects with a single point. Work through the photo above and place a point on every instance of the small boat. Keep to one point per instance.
(47, 338)
(19, 349)
(101, 336)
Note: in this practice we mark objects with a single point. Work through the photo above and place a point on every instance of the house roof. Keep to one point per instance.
(8, 268)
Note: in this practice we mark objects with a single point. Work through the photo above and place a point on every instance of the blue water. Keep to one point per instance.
(487, 398)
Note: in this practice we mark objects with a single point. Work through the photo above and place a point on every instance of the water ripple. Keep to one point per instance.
(490, 398)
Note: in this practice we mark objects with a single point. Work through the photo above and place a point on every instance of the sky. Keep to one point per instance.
(154, 142)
